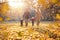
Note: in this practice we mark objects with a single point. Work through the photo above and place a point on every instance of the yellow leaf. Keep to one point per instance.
(43, 2)
(58, 16)
(54, 1)
(4, 8)
(1, 19)
(7, 18)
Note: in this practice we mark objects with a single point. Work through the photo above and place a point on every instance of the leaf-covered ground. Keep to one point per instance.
(45, 31)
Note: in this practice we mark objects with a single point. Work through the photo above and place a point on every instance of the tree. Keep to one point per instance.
(4, 8)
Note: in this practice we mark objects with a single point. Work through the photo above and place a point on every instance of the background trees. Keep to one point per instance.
(3, 9)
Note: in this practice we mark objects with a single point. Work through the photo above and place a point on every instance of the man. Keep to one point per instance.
(26, 16)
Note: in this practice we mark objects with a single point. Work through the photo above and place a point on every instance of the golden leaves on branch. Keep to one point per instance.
(4, 8)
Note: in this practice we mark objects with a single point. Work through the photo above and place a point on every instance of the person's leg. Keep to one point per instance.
(32, 23)
(21, 22)
(38, 22)
(26, 22)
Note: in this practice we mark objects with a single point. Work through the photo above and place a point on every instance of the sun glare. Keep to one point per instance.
(16, 4)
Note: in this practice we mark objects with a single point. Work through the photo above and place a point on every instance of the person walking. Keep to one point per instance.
(26, 16)
(38, 16)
